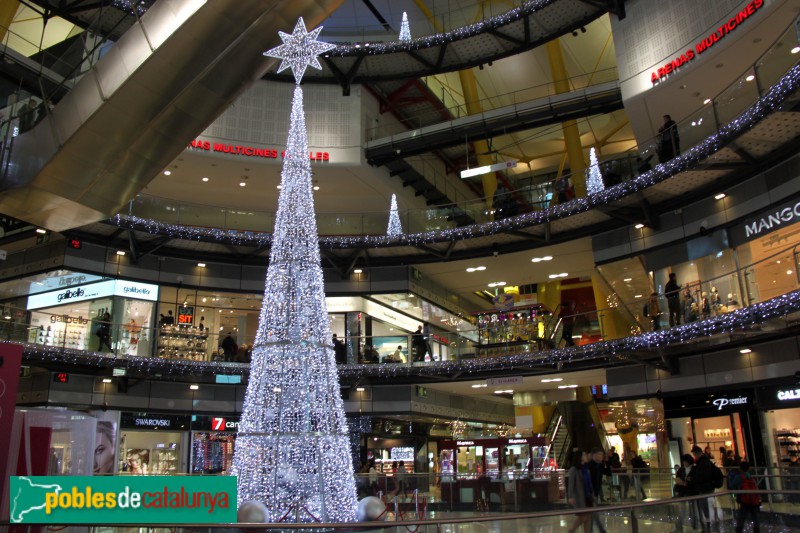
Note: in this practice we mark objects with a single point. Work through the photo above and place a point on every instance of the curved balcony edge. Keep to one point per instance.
(618, 350)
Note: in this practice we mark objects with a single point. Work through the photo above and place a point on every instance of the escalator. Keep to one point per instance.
(575, 425)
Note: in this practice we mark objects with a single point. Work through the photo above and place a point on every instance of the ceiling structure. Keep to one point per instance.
(523, 75)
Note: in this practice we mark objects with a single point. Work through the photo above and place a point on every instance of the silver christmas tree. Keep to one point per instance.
(395, 228)
(292, 450)
(405, 32)
(594, 182)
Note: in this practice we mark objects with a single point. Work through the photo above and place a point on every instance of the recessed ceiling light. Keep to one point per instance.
(201, 265)
(719, 196)
(552, 380)
(796, 49)
(476, 269)
(789, 272)
(639, 226)
(106, 380)
(707, 101)
(204, 178)
(194, 387)
(316, 187)
(745, 350)
(638, 296)
(497, 284)
(360, 389)
(627, 280)
(167, 173)
(357, 271)
(279, 187)
(567, 386)
(120, 252)
(40, 230)
(509, 391)
(242, 184)
(539, 259)
(555, 276)
(750, 77)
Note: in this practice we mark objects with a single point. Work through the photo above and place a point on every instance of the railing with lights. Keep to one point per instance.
(516, 336)
(762, 88)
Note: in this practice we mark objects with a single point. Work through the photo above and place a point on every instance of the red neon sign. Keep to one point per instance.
(706, 43)
(250, 151)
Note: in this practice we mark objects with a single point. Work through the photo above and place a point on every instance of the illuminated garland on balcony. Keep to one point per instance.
(438, 39)
(618, 349)
(695, 155)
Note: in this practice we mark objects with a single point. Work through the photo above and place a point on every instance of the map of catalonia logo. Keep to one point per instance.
(122, 500)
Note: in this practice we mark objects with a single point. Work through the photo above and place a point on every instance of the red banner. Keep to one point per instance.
(10, 361)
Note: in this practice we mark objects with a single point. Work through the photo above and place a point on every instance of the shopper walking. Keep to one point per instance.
(672, 291)
(104, 332)
(567, 323)
(748, 503)
(579, 490)
(699, 482)
(681, 490)
(654, 311)
(669, 144)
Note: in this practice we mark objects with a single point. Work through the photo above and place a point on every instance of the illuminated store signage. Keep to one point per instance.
(784, 395)
(250, 151)
(186, 315)
(103, 289)
(151, 421)
(756, 226)
(706, 43)
(725, 402)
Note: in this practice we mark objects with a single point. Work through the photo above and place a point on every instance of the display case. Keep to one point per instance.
(212, 452)
(182, 342)
(787, 444)
(165, 460)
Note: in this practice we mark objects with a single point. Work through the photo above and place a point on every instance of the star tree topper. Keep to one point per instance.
(299, 50)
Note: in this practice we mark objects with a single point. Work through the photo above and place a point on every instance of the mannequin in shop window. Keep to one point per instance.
(714, 300)
(705, 305)
(732, 304)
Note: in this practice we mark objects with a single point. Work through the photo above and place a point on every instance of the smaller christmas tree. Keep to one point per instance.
(395, 228)
(405, 32)
(594, 181)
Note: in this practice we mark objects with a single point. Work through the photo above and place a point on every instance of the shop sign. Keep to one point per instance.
(778, 396)
(103, 289)
(725, 402)
(784, 395)
(707, 42)
(765, 222)
(465, 443)
(186, 315)
(250, 151)
(514, 380)
(151, 421)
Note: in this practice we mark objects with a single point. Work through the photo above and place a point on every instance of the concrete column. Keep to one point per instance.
(8, 8)
(572, 137)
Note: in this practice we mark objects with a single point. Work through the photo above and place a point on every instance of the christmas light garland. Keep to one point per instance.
(619, 349)
(438, 39)
(695, 155)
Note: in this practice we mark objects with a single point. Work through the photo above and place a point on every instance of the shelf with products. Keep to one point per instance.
(182, 342)
(788, 444)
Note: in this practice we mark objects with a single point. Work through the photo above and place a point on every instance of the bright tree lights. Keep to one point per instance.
(292, 450)
(405, 31)
(594, 182)
(395, 228)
